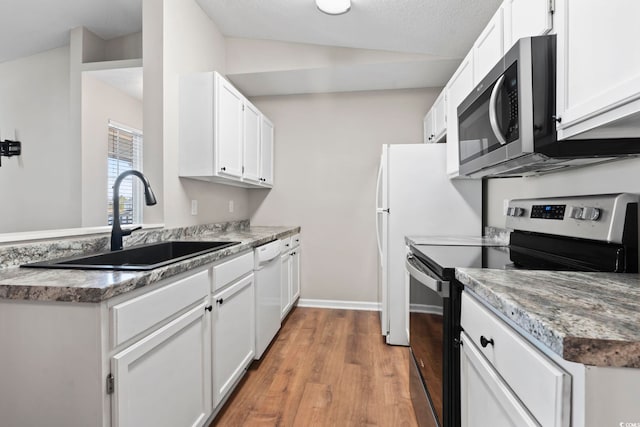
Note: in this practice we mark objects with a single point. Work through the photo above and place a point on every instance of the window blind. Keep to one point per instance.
(124, 153)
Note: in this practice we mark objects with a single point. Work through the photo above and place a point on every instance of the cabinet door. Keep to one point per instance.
(295, 275)
(252, 134)
(524, 18)
(489, 47)
(598, 71)
(428, 127)
(228, 128)
(285, 284)
(266, 152)
(233, 335)
(485, 399)
(165, 378)
(460, 85)
(440, 116)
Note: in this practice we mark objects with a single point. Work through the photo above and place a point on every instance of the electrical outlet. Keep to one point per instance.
(194, 207)
(230, 206)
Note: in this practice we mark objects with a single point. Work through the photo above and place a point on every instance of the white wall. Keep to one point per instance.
(101, 103)
(41, 188)
(327, 150)
(190, 42)
(614, 177)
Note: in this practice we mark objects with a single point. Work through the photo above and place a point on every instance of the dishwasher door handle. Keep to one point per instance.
(441, 287)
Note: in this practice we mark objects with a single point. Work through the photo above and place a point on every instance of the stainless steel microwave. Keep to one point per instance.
(507, 125)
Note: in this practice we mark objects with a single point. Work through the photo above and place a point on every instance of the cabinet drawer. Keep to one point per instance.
(228, 271)
(141, 313)
(285, 245)
(295, 240)
(542, 386)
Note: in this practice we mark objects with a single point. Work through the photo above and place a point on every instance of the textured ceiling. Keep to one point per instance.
(438, 27)
(31, 26)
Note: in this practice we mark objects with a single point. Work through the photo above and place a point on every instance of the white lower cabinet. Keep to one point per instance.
(521, 380)
(285, 285)
(485, 399)
(163, 379)
(290, 274)
(295, 274)
(163, 355)
(233, 335)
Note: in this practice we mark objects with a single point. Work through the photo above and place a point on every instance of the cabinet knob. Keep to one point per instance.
(219, 301)
(208, 308)
(557, 119)
(223, 168)
(485, 342)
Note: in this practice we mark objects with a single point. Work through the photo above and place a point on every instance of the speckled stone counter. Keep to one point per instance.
(98, 285)
(588, 318)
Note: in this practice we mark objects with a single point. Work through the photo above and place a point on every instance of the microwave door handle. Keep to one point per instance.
(493, 114)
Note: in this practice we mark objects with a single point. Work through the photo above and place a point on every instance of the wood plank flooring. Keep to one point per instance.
(325, 368)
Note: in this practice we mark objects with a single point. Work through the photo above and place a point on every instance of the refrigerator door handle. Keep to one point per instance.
(378, 185)
(378, 231)
(379, 211)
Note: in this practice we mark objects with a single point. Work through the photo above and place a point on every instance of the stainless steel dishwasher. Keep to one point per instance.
(267, 276)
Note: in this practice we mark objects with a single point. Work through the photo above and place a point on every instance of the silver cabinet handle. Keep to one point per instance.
(493, 114)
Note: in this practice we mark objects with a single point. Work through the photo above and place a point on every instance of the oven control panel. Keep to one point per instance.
(598, 217)
(548, 211)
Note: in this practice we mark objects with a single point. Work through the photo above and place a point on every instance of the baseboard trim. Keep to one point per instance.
(344, 305)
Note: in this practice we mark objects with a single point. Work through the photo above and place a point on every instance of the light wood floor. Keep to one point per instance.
(325, 368)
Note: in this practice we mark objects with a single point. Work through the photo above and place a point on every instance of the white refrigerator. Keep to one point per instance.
(415, 197)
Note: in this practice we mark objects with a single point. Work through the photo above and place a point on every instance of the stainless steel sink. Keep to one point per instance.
(143, 257)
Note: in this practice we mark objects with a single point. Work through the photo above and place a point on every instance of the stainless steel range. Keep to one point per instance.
(582, 233)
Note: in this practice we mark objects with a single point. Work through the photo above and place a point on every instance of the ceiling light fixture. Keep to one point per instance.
(334, 7)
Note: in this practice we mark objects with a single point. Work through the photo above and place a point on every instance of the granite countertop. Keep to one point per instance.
(93, 286)
(588, 318)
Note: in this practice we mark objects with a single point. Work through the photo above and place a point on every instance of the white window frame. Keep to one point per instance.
(134, 156)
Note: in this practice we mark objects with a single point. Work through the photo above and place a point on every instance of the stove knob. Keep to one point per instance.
(576, 212)
(591, 214)
(515, 211)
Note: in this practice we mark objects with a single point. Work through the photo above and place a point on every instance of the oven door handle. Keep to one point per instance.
(441, 287)
(493, 112)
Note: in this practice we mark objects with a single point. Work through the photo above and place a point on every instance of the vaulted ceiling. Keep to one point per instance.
(441, 31)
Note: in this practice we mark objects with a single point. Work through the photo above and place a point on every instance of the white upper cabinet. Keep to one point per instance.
(440, 116)
(252, 120)
(429, 136)
(266, 152)
(435, 122)
(598, 93)
(460, 85)
(220, 134)
(524, 18)
(227, 127)
(488, 48)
